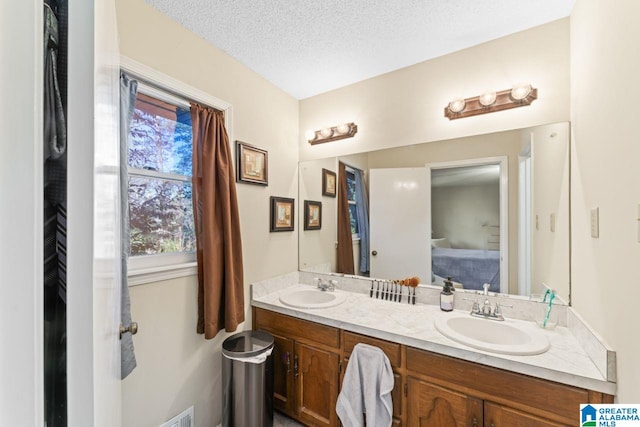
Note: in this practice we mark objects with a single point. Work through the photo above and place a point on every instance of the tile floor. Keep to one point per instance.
(280, 420)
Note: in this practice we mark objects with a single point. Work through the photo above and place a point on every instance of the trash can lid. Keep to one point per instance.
(247, 344)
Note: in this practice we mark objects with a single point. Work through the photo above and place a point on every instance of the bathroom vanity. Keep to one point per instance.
(437, 382)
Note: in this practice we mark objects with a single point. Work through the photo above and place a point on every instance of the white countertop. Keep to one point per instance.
(565, 362)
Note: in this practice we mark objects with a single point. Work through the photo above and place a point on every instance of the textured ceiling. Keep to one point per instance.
(308, 47)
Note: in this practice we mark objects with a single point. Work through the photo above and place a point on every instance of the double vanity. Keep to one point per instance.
(449, 368)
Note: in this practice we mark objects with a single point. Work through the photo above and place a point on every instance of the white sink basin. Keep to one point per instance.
(313, 298)
(508, 337)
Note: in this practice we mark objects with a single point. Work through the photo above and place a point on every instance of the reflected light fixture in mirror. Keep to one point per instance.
(489, 102)
(345, 130)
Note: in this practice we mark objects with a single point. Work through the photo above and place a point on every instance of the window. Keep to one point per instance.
(351, 198)
(159, 165)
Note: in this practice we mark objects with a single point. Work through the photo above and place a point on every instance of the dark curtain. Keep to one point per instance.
(345, 240)
(128, 91)
(54, 217)
(362, 209)
(217, 225)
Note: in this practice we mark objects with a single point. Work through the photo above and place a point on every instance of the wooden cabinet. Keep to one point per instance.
(430, 389)
(316, 384)
(306, 367)
(282, 373)
(499, 398)
(432, 405)
(496, 415)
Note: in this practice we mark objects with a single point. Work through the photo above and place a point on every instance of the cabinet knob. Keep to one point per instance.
(295, 366)
(475, 422)
(374, 253)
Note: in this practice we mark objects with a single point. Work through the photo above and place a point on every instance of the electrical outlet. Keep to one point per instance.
(537, 222)
(552, 223)
(595, 223)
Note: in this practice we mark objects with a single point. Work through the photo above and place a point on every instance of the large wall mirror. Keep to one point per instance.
(491, 208)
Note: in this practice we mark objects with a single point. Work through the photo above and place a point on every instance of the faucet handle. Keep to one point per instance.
(497, 311)
(475, 308)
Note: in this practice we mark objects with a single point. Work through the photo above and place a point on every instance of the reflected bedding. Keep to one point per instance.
(471, 267)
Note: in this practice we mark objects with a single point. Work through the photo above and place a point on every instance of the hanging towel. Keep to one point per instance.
(366, 389)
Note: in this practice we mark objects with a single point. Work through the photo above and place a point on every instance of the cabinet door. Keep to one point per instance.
(496, 415)
(432, 405)
(316, 384)
(283, 374)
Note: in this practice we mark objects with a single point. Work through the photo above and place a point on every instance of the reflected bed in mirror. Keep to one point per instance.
(495, 205)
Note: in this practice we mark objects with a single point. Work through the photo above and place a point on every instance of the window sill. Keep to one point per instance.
(155, 274)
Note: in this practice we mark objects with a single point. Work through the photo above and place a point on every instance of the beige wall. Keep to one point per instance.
(318, 247)
(177, 367)
(605, 174)
(462, 214)
(407, 106)
(550, 188)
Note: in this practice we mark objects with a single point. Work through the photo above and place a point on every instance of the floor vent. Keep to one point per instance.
(184, 419)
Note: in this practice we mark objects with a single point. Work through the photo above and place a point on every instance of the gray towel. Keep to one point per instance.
(366, 389)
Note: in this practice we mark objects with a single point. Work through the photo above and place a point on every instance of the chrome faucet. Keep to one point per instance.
(487, 311)
(326, 285)
(485, 288)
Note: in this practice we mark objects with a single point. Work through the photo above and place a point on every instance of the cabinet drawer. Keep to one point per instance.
(392, 350)
(498, 385)
(297, 329)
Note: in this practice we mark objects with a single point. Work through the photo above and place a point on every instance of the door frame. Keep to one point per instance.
(21, 219)
(503, 161)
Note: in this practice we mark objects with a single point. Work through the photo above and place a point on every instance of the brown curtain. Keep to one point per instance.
(215, 214)
(345, 241)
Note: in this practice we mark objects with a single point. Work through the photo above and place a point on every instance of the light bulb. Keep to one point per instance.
(326, 132)
(457, 105)
(520, 91)
(343, 128)
(310, 135)
(487, 98)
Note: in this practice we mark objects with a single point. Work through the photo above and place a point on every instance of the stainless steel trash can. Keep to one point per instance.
(247, 380)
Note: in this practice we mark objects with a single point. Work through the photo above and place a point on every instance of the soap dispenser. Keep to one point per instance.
(446, 296)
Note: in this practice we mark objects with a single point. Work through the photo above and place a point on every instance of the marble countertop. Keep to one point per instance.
(565, 362)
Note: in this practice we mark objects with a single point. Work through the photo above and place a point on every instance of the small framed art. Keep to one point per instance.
(329, 183)
(282, 214)
(252, 164)
(312, 215)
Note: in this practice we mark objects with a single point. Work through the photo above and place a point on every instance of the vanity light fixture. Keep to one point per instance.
(489, 102)
(487, 98)
(345, 130)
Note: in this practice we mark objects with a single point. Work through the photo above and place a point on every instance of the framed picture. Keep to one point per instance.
(252, 164)
(282, 214)
(312, 215)
(329, 183)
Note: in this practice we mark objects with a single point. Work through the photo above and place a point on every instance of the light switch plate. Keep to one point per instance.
(552, 223)
(638, 222)
(595, 223)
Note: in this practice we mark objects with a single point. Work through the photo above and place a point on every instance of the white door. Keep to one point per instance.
(21, 259)
(93, 247)
(399, 231)
(93, 296)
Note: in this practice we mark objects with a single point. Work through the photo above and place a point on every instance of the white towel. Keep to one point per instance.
(366, 389)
